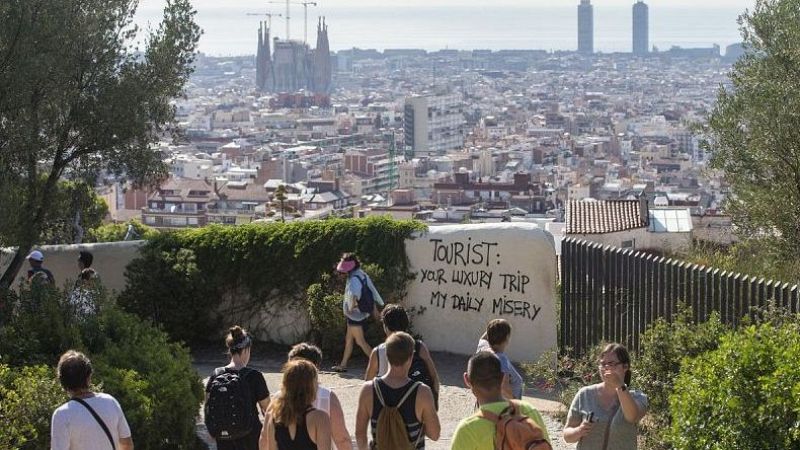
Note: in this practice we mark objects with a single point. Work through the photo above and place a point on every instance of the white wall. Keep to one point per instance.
(110, 260)
(467, 275)
(510, 270)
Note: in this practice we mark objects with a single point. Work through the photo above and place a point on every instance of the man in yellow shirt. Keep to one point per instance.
(485, 377)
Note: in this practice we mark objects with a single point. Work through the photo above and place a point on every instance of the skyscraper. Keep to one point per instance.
(585, 27)
(640, 28)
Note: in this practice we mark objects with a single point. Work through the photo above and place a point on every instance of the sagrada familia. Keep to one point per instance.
(291, 65)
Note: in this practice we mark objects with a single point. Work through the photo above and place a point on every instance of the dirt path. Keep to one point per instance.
(456, 402)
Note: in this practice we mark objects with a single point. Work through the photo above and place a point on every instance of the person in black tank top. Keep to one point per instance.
(408, 410)
(416, 410)
(293, 408)
(301, 441)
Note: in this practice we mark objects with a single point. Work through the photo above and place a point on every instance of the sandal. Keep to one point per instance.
(339, 369)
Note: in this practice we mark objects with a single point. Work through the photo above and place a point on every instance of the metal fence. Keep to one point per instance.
(614, 294)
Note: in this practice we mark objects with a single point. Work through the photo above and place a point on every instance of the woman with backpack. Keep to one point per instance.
(294, 423)
(605, 415)
(234, 394)
(358, 304)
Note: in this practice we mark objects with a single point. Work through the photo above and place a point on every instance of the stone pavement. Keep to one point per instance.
(456, 402)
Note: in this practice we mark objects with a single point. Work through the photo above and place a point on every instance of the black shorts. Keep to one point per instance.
(355, 323)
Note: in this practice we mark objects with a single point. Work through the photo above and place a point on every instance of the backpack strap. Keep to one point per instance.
(98, 419)
(512, 409)
(402, 400)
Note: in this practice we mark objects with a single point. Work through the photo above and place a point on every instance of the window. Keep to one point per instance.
(629, 244)
(176, 221)
(192, 220)
(150, 220)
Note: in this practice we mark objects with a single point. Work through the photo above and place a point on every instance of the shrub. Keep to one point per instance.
(113, 232)
(327, 318)
(152, 378)
(664, 346)
(745, 394)
(28, 397)
(569, 375)
(183, 277)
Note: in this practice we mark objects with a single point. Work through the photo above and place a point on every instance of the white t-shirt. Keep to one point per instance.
(74, 428)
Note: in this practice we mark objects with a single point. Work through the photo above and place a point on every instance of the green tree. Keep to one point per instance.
(75, 208)
(80, 96)
(280, 196)
(754, 129)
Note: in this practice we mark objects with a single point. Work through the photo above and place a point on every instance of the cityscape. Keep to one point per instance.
(347, 224)
(448, 136)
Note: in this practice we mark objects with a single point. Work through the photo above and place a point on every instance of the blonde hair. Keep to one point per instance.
(298, 392)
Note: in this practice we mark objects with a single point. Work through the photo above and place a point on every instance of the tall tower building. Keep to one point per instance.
(263, 59)
(641, 28)
(321, 64)
(585, 27)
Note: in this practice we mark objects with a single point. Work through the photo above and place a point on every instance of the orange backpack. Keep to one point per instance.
(515, 431)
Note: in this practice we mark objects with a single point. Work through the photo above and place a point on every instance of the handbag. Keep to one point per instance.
(98, 419)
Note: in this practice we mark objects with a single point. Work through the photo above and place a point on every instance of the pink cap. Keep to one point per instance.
(346, 266)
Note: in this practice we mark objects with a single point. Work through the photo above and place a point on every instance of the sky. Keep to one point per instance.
(201, 4)
(464, 24)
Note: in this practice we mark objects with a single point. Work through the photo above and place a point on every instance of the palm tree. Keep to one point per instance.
(280, 195)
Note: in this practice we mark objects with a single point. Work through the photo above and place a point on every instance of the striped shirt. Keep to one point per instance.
(408, 410)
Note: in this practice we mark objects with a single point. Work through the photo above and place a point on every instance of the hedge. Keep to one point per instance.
(182, 277)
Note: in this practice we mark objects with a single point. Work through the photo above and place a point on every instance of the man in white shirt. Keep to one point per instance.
(88, 421)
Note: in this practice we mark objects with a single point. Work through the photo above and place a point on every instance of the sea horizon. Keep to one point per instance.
(231, 32)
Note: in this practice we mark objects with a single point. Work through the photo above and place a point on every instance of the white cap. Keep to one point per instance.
(36, 255)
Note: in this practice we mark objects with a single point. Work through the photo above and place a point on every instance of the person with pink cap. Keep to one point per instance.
(37, 272)
(358, 304)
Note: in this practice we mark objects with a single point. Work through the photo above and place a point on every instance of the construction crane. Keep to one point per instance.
(305, 13)
(268, 15)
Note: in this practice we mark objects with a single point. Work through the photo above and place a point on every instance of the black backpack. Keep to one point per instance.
(419, 370)
(366, 302)
(229, 410)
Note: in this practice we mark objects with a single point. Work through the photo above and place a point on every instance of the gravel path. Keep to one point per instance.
(456, 402)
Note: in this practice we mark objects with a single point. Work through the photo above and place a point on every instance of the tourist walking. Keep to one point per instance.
(395, 318)
(605, 415)
(326, 400)
(89, 420)
(399, 411)
(496, 339)
(359, 302)
(294, 423)
(484, 377)
(234, 394)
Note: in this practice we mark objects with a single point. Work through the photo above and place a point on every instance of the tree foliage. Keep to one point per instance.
(75, 209)
(754, 129)
(79, 97)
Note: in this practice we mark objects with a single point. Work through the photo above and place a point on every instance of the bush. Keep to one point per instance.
(152, 378)
(28, 397)
(745, 394)
(183, 277)
(664, 346)
(569, 375)
(113, 232)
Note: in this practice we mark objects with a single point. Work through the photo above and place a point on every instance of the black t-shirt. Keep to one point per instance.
(258, 387)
